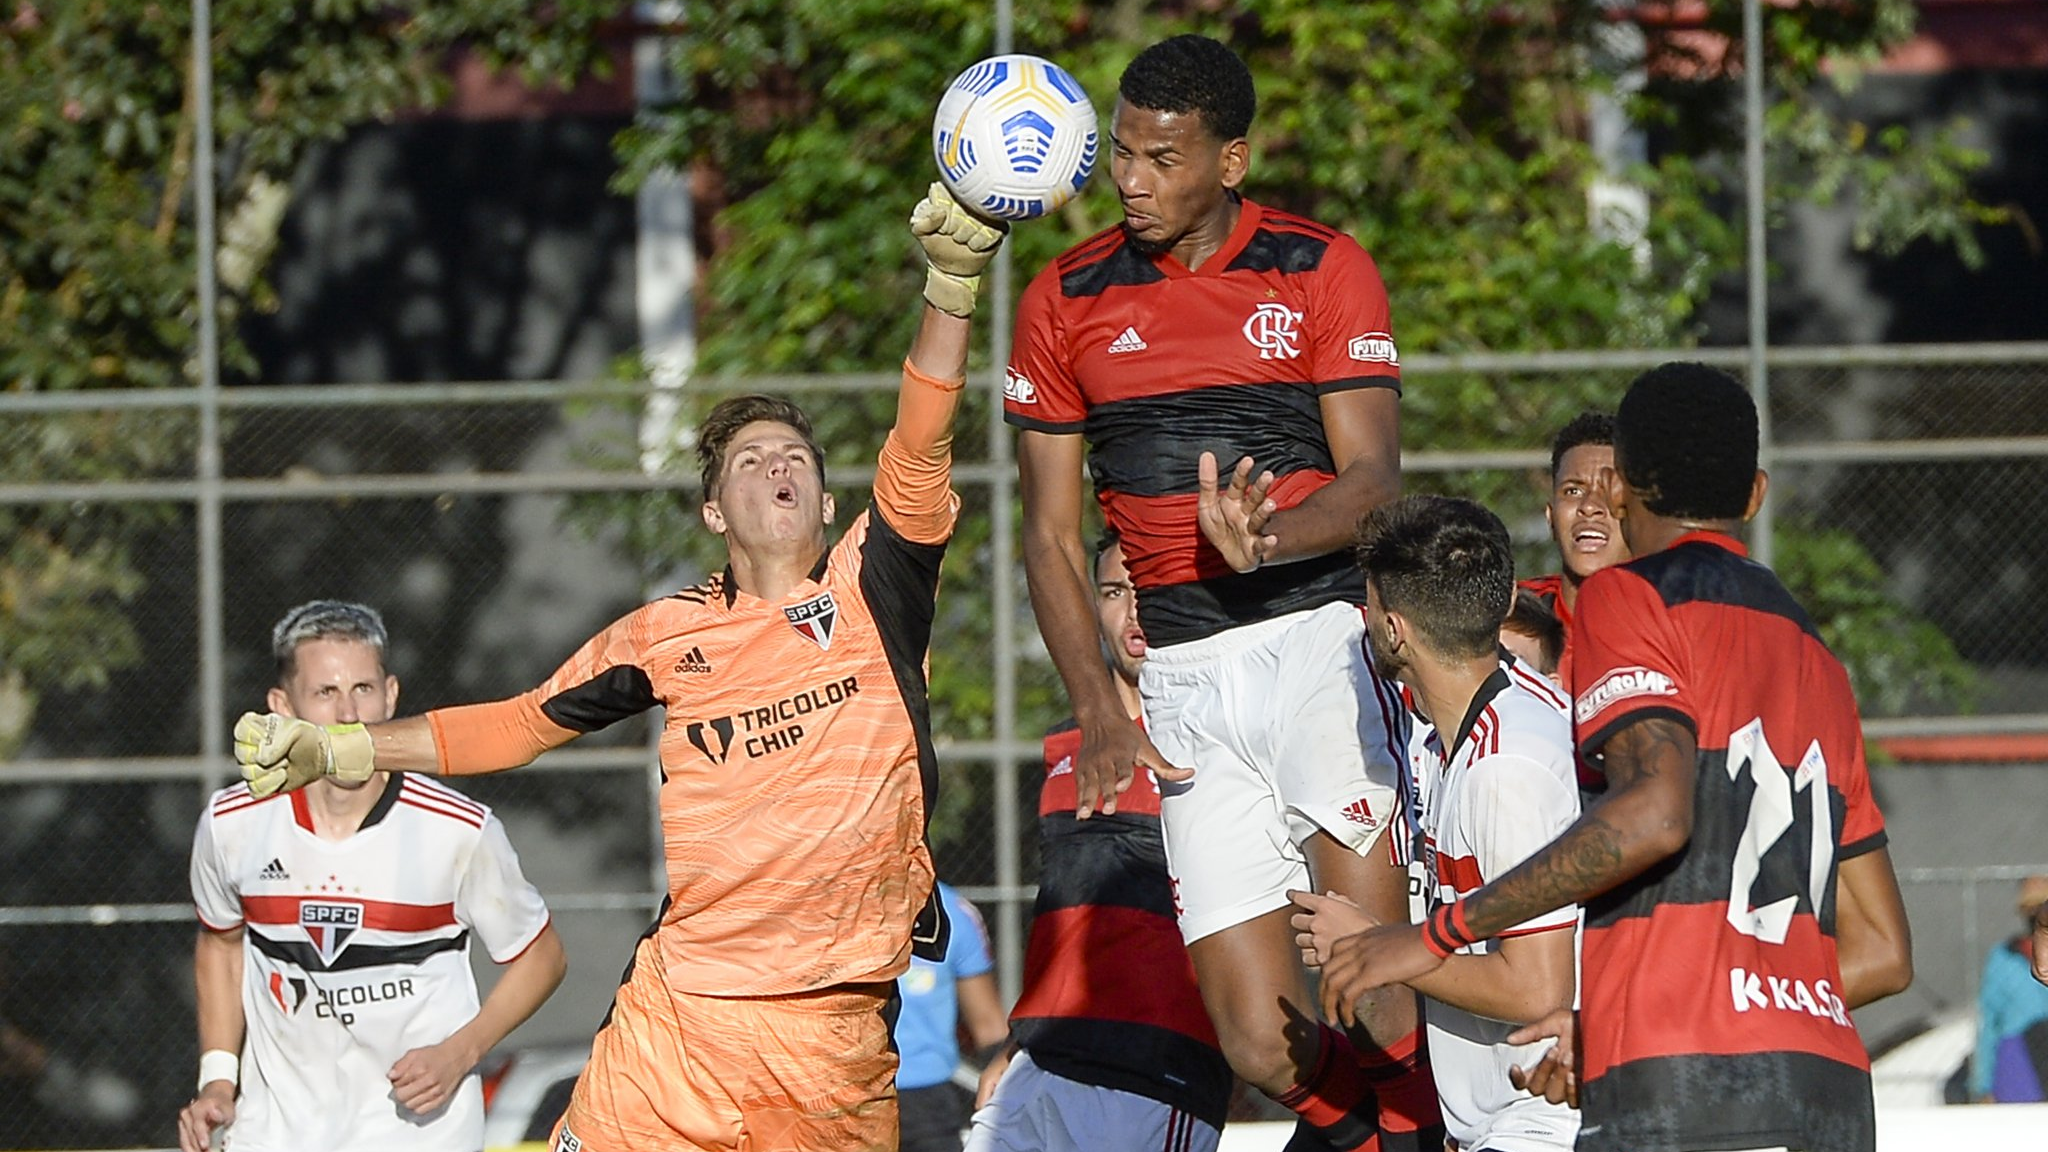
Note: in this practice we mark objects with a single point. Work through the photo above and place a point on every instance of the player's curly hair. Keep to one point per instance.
(1191, 73)
(324, 620)
(1588, 427)
(1685, 439)
(1444, 563)
(725, 421)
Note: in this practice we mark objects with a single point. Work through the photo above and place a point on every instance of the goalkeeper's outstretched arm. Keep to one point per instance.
(282, 753)
(913, 485)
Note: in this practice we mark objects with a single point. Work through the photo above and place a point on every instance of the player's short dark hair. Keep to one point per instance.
(725, 421)
(1588, 427)
(324, 620)
(1444, 563)
(1685, 439)
(1103, 543)
(1191, 73)
(1531, 617)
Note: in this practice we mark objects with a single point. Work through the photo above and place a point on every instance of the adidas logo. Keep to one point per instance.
(274, 871)
(693, 662)
(1358, 813)
(1130, 341)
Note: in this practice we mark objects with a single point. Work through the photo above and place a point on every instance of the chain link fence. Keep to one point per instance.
(499, 525)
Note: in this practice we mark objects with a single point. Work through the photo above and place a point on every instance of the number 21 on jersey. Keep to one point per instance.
(1773, 812)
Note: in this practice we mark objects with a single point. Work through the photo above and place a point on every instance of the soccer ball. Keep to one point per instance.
(1015, 137)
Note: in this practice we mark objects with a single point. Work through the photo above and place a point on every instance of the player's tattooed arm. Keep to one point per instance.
(1645, 817)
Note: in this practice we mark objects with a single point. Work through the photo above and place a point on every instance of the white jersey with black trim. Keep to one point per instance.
(1507, 787)
(356, 952)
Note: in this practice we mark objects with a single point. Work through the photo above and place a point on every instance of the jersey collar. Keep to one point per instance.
(1248, 216)
(1489, 688)
(817, 576)
(1717, 539)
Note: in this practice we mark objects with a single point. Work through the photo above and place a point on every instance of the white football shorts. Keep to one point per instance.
(1035, 1111)
(1287, 729)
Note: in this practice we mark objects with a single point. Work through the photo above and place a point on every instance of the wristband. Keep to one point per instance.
(1444, 932)
(219, 1064)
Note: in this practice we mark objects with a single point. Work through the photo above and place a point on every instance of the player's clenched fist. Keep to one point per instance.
(285, 753)
(958, 245)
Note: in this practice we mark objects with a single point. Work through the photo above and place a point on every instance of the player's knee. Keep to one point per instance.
(1268, 1058)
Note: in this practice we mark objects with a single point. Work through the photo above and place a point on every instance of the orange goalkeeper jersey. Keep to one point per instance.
(797, 764)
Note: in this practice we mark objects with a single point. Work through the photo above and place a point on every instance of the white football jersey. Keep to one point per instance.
(1507, 788)
(355, 953)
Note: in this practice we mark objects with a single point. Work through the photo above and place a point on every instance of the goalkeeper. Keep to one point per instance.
(797, 768)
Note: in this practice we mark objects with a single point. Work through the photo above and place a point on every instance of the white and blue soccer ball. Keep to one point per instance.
(1015, 137)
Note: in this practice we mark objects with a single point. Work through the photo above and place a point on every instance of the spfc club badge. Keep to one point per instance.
(813, 619)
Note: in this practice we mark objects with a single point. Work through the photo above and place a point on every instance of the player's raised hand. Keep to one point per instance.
(1556, 1076)
(957, 246)
(213, 1107)
(1322, 921)
(1108, 761)
(426, 1078)
(286, 753)
(1374, 958)
(1234, 517)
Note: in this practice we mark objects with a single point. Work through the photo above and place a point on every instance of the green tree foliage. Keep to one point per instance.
(97, 281)
(1451, 137)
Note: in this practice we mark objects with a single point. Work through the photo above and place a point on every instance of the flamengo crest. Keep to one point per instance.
(813, 619)
(329, 924)
(1274, 329)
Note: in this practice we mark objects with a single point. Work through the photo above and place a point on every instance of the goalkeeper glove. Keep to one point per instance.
(285, 753)
(957, 246)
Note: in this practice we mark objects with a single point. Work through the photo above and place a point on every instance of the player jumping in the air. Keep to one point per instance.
(797, 768)
(1208, 328)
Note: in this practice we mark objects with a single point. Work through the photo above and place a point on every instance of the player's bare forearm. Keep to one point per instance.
(1525, 979)
(1327, 519)
(526, 984)
(1645, 817)
(405, 745)
(940, 346)
(1874, 942)
(217, 978)
(1363, 427)
(1056, 572)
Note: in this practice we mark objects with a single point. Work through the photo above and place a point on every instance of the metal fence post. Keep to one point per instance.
(211, 615)
(1002, 556)
(1762, 534)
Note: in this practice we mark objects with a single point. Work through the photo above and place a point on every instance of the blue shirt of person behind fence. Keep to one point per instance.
(927, 1031)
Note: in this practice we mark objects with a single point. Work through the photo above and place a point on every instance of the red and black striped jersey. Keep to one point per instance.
(1712, 1006)
(1156, 364)
(1109, 993)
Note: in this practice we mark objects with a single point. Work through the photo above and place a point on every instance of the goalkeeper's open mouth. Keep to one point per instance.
(784, 495)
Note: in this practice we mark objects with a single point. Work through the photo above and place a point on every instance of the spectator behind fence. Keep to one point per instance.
(2012, 1013)
(332, 961)
(940, 997)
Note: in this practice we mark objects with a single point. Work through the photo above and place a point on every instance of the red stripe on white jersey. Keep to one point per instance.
(427, 805)
(1537, 684)
(443, 792)
(381, 915)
